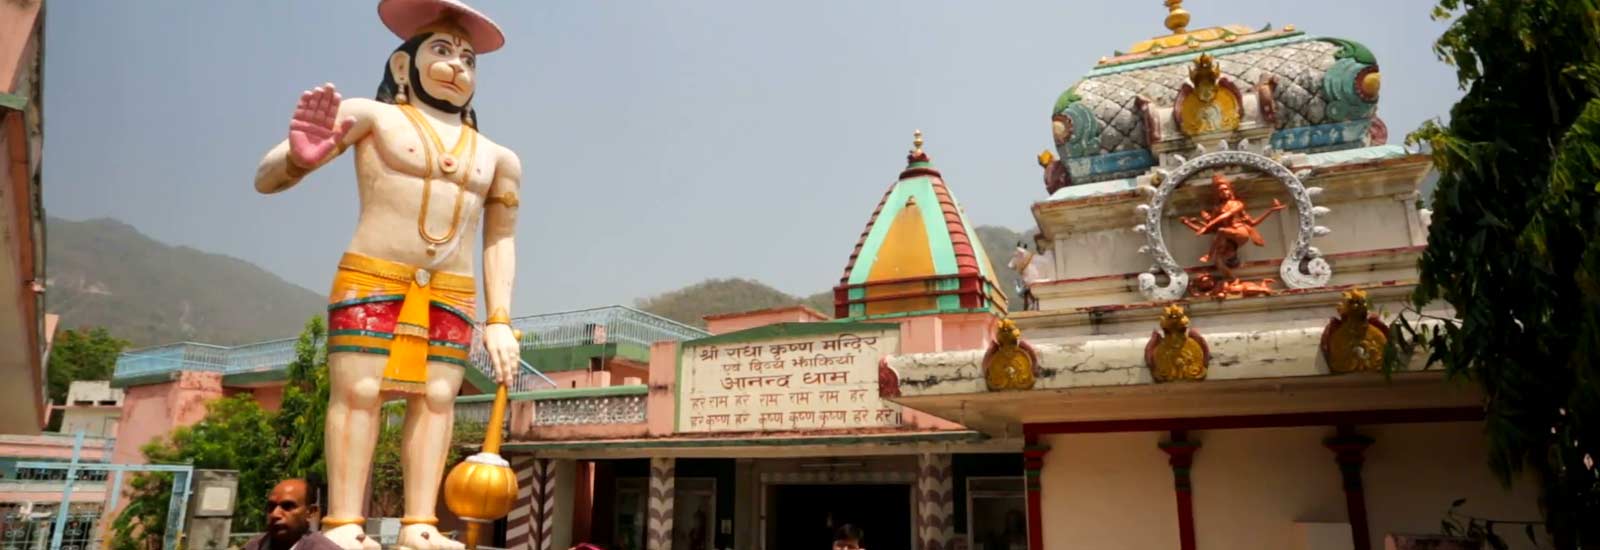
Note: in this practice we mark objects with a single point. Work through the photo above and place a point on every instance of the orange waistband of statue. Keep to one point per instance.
(412, 315)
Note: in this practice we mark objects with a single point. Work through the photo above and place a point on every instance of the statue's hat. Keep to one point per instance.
(408, 17)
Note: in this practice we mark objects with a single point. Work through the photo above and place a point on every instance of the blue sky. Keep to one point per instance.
(662, 142)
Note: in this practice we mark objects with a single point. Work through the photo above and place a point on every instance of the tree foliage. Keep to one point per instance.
(301, 418)
(237, 434)
(88, 354)
(1512, 249)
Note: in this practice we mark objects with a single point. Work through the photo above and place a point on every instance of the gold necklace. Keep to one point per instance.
(447, 165)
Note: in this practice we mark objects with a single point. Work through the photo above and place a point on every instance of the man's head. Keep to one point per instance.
(847, 537)
(290, 507)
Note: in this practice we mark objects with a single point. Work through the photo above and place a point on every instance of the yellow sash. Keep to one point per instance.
(362, 277)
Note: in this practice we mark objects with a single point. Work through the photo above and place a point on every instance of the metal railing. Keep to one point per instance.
(601, 325)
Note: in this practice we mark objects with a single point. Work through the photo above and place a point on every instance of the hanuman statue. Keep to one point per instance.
(403, 303)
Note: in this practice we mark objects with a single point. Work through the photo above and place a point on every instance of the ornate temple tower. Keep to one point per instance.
(1227, 237)
(920, 257)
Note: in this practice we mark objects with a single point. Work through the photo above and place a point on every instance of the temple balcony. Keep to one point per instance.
(569, 413)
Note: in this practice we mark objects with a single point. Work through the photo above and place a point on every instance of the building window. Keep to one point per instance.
(997, 512)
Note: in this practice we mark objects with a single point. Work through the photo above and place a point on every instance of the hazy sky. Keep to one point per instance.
(662, 142)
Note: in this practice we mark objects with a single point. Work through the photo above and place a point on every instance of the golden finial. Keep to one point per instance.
(1177, 17)
(916, 142)
(1045, 158)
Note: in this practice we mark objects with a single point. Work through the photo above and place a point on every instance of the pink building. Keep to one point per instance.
(771, 430)
(23, 334)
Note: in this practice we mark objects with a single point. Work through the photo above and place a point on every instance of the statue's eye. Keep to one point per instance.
(469, 60)
(441, 49)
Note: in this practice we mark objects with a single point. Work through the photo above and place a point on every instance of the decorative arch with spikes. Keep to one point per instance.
(1303, 267)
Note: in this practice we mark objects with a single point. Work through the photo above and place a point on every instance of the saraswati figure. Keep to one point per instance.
(403, 302)
(1231, 224)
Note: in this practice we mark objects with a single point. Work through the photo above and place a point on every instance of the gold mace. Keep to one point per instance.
(482, 488)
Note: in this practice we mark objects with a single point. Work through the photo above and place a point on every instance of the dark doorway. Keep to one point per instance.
(802, 513)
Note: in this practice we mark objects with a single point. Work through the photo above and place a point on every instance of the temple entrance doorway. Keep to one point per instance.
(804, 516)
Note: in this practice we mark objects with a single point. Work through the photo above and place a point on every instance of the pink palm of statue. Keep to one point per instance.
(403, 302)
(312, 133)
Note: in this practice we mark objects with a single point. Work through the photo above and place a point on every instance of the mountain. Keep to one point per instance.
(998, 244)
(690, 304)
(104, 273)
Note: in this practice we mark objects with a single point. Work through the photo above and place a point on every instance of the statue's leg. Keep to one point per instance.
(430, 417)
(355, 397)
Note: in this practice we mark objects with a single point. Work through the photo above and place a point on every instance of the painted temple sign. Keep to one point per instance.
(809, 376)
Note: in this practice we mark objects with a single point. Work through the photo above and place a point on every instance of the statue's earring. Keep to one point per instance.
(400, 96)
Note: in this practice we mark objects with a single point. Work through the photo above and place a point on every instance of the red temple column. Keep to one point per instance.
(1032, 463)
(1348, 451)
(1180, 455)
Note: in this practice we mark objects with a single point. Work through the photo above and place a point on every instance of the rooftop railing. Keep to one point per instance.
(600, 326)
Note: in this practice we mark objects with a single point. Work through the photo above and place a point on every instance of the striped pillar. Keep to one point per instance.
(663, 483)
(936, 506)
(521, 513)
(532, 521)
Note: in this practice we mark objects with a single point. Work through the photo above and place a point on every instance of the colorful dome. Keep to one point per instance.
(1280, 86)
(918, 254)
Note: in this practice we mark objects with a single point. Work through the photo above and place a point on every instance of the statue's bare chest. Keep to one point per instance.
(459, 156)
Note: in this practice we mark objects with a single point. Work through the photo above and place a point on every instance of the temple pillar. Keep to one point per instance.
(663, 486)
(747, 504)
(583, 528)
(531, 524)
(936, 506)
(1032, 465)
(1349, 452)
(1180, 452)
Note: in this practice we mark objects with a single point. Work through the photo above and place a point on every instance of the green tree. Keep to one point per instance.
(236, 434)
(1512, 247)
(89, 354)
(301, 418)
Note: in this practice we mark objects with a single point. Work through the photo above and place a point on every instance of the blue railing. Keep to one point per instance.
(611, 324)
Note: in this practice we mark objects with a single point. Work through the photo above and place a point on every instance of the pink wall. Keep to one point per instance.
(151, 411)
(580, 379)
(16, 27)
(52, 446)
(270, 397)
(661, 404)
(734, 322)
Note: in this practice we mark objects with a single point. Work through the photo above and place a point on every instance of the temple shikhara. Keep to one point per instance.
(1198, 357)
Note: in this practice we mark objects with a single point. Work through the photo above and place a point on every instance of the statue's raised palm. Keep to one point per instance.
(315, 130)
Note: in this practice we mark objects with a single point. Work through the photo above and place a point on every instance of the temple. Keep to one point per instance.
(1202, 375)
(771, 430)
(1200, 359)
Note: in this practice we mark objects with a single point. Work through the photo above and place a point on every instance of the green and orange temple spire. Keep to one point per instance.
(918, 255)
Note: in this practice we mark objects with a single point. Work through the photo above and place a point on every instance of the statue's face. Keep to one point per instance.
(447, 68)
(1225, 191)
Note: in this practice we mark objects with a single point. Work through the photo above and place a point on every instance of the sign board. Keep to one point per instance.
(802, 376)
